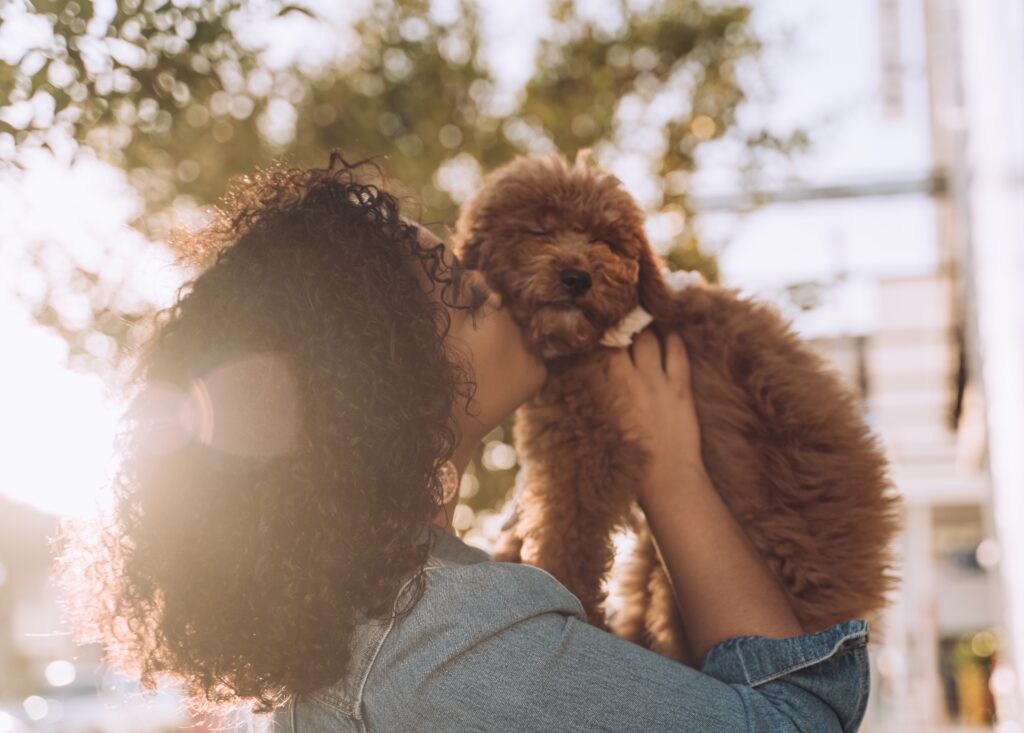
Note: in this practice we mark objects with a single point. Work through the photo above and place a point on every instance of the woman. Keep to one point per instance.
(282, 531)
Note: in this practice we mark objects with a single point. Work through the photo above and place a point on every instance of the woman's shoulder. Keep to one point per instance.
(467, 598)
(457, 573)
(487, 595)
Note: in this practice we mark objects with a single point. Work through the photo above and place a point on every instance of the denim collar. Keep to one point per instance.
(347, 693)
(450, 550)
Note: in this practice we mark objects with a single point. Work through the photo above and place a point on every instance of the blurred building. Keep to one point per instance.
(988, 173)
(47, 682)
(898, 249)
(24, 562)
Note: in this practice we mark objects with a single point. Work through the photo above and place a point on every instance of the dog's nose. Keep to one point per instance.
(577, 281)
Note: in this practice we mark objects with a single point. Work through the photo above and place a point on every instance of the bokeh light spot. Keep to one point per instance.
(703, 127)
(60, 673)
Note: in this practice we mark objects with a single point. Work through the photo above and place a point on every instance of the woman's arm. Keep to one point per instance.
(723, 586)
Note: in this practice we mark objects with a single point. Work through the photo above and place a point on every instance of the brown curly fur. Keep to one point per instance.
(783, 440)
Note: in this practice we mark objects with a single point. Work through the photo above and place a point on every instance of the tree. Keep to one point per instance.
(177, 94)
(183, 95)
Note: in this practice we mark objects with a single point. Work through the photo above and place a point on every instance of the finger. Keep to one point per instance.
(619, 363)
(677, 362)
(647, 352)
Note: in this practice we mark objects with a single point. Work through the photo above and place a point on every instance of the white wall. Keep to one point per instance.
(993, 40)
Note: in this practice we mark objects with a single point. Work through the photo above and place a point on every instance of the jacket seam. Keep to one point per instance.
(354, 708)
(432, 564)
(804, 663)
(858, 712)
(376, 653)
(380, 645)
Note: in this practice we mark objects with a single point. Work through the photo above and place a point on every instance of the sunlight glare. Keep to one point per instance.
(57, 425)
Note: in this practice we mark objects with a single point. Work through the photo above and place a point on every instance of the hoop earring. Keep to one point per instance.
(449, 477)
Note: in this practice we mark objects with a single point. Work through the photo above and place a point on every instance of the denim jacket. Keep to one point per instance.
(505, 647)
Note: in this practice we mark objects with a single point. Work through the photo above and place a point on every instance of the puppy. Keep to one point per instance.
(782, 439)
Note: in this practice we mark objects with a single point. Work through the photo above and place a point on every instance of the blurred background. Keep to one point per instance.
(859, 163)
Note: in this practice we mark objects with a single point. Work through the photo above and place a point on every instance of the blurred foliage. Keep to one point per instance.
(172, 93)
(182, 96)
(688, 255)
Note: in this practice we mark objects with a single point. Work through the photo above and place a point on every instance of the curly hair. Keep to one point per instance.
(242, 576)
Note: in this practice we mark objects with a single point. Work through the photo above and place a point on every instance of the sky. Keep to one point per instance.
(822, 69)
(827, 79)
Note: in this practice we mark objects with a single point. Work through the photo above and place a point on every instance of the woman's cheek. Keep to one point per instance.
(517, 353)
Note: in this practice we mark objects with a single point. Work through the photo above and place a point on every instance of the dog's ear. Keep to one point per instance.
(655, 294)
(466, 239)
(468, 251)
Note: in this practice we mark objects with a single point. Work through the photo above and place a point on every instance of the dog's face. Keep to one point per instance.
(565, 247)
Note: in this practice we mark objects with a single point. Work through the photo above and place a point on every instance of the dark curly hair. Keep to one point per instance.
(242, 576)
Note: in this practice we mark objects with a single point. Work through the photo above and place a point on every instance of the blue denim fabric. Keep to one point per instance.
(505, 647)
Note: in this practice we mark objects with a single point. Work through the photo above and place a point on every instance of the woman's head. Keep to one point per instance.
(280, 461)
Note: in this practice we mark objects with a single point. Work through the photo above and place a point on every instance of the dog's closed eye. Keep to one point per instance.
(610, 244)
(539, 232)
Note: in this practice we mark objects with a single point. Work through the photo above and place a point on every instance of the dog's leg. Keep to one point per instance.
(509, 545)
(573, 544)
(649, 615)
(662, 623)
(630, 622)
(581, 482)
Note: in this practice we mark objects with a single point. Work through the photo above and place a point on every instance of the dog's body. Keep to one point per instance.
(782, 440)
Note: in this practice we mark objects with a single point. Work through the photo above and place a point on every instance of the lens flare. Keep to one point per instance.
(248, 407)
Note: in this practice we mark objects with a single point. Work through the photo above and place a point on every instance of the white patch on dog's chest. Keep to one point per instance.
(621, 334)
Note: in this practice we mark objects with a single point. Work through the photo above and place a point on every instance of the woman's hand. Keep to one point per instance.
(654, 403)
(722, 585)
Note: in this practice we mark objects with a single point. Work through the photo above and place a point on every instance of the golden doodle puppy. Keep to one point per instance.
(783, 440)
